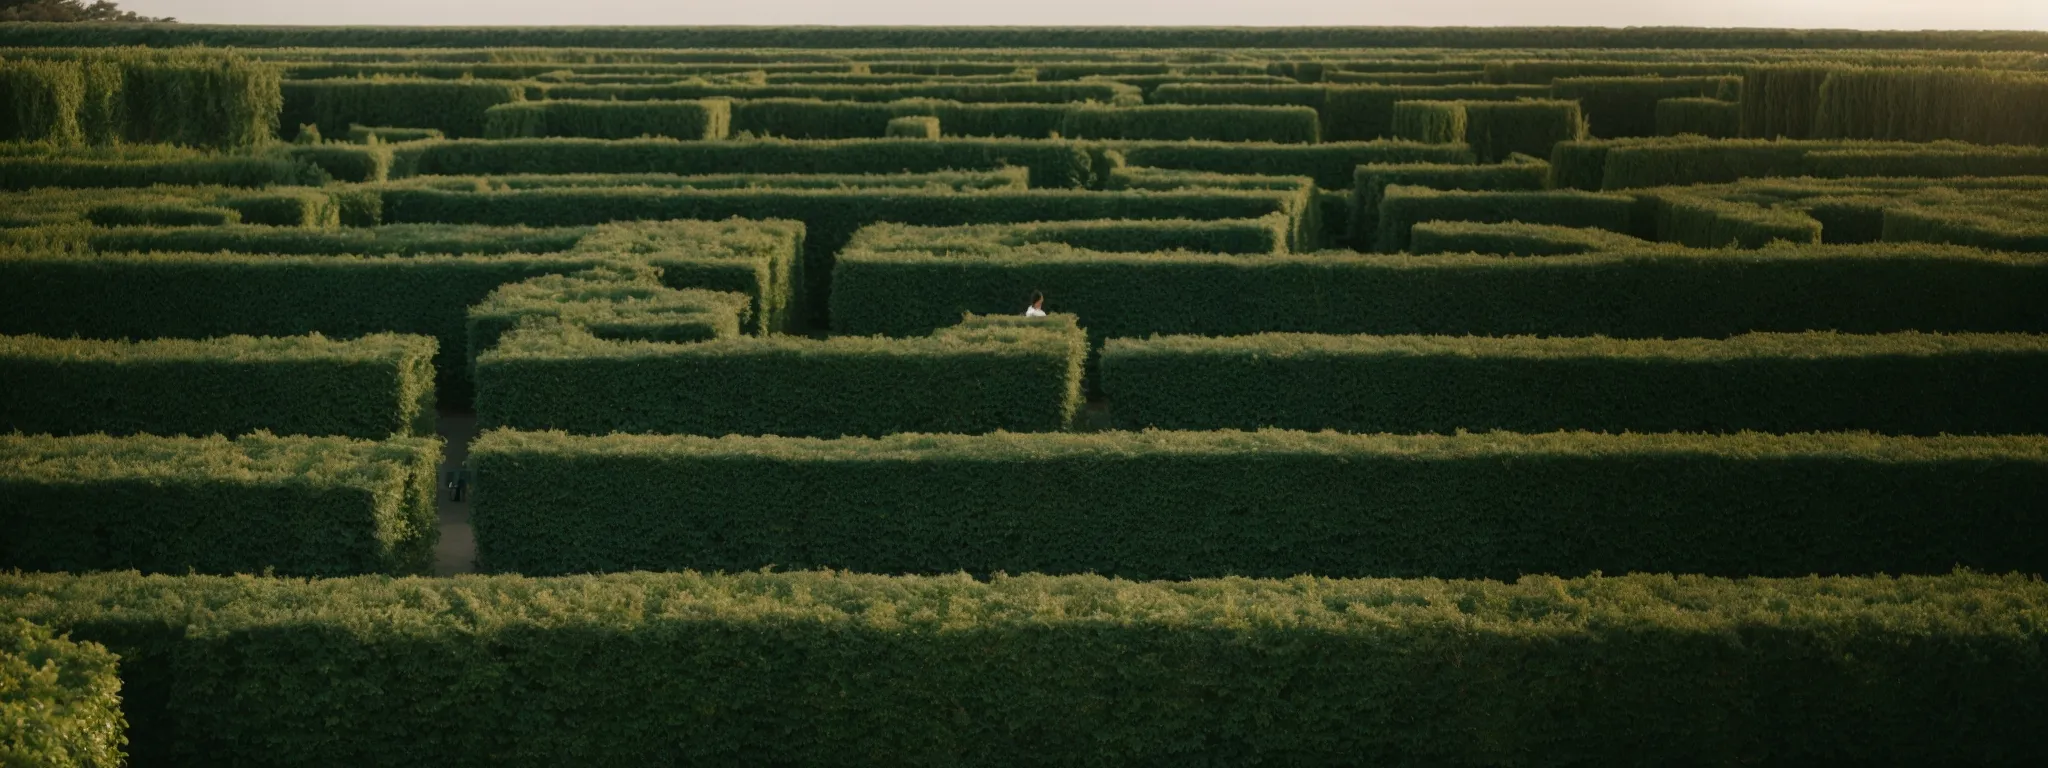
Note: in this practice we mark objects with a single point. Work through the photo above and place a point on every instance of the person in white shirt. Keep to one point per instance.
(1037, 308)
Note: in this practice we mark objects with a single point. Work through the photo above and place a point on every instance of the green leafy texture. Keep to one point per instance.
(370, 387)
(1664, 64)
(286, 208)
(1909, 383)
(1331, 165)
(364, 134)
(306, 506)
(26, 172)
(819, 119)
(1510, 239)
(158, 215)
(1704, 222)
(201, 99)
(42, 101)
(1015, 178)
(998, 373)
(1458, 77)
(761, 259)
(1052, 163)
(609, 305)
(343, 162)
(971, 92)
(912, 127)
(1402, 207)
(60, 701)
(1618, 107)
(391, 240)
(2004, 220)
(1371, 182)
(1709, 118)
(1499, 130)
(1689, 160)
(453, 107)
(201, 295)
(1177, 505)
(1928, 104)
(1284, 125)
(1655, 292)
(1781, 101)
(1349, 112)
(1266, 235)
(692, 120)
(1429, 122)
(1150, 83)
(831, 216)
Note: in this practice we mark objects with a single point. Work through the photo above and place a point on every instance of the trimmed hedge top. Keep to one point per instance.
(60, 701)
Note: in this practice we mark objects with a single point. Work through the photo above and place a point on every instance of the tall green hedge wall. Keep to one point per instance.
(1910, 383)
(370, 387)
(1171, 505)
(817, 668)
(990, 373)
(1641, 293)
(304, 506)
(61, 701)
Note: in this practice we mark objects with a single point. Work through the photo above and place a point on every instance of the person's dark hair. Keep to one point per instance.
(1037, 296)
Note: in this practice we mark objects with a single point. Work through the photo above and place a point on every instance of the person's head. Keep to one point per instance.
(1038, 299)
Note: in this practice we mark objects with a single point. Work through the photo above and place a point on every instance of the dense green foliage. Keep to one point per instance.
(1429, 122)
(454, 107)
(609, 305)
(1618, 107)
(60, 701)
(304, 506)
(831, 216)
(1330, 164)
(190, 295)
(1909, 383)
(1641, 293)
(828, 668)
(104, 96)
(1264, 504)
(1284, 125)
(1498, 130)
(912, 127)
(1683, 160)
(972, 92)
(1923, 104)
(988, 374)
(1052, 164)
(1513, 239)
(1371, 181)
(1402, 207)
(370, 387)
(363, 134)
(26, 172)
(390, 240)
(1711, 118)
(1246, 236)
(699, 120)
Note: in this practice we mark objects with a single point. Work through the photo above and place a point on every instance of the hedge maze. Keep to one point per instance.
(1003, 397)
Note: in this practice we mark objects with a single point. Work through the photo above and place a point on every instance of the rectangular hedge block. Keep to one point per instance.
(1910, 383)
(301, 506)
(913, 127)
(835, 668)
(1511, 239)
(1175, 505)
(1371, 182)
(369, 387)
(990, 373)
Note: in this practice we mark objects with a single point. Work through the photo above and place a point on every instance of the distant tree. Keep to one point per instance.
(67, 10)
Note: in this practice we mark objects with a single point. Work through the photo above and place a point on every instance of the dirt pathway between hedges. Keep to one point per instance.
(456, 553)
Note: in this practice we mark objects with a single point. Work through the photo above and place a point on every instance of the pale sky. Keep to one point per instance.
(1831, 14)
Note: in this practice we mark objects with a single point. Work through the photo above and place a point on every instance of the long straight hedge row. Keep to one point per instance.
(819, 119)
(1686, 160)
(1908, 383)
(611, 304)
(303, 506)
(817, 668)
(987, 374)
(201, 295)
(700, 120)
(1052, 164)
(371, 387)
(1264, 504)
(1243, 236)
(1641, 293)
(979, 92)
(1402, 207)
